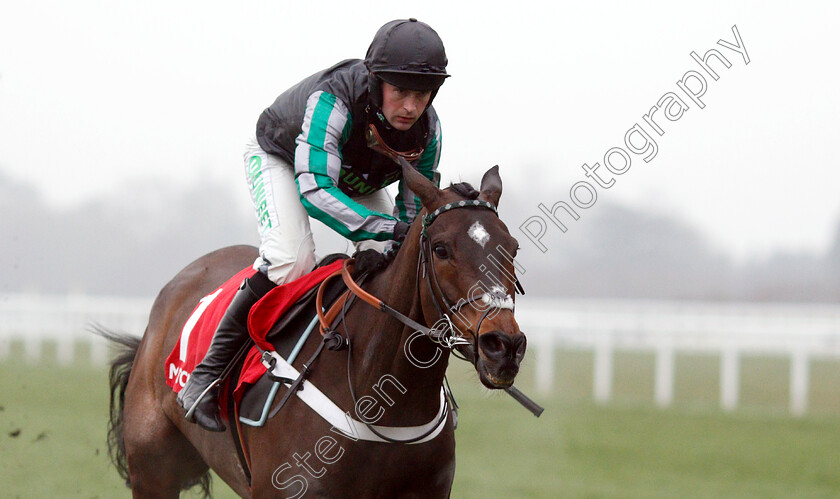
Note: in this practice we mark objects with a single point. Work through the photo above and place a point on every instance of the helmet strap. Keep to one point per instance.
(375, 142)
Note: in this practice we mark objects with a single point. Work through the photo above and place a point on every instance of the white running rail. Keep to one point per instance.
(730, 330)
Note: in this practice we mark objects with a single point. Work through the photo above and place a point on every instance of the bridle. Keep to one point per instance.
(493, 300)
(447, 335)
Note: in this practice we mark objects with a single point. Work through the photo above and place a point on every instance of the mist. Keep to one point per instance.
(131, 242)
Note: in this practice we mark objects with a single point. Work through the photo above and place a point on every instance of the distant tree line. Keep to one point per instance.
(133, 241)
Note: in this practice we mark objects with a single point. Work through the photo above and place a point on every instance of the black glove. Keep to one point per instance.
(400, 230)
(369, 261)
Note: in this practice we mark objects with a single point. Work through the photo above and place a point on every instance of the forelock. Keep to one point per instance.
(465, 189)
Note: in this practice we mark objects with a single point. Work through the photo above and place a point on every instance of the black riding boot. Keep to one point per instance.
(200, 396)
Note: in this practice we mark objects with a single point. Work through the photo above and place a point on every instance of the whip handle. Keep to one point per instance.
(526, 402)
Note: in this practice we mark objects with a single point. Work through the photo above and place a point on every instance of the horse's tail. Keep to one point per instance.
(120, 371)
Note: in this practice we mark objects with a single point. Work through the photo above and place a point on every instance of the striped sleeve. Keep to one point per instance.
(326, 127)
(407, 204)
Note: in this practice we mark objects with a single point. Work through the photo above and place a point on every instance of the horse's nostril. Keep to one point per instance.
(496, 346)
(491, 344)
(521, 344)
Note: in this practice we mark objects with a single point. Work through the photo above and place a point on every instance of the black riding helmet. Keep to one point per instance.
(408, 54)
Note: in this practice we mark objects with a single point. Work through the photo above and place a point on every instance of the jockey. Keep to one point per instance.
(325, 149)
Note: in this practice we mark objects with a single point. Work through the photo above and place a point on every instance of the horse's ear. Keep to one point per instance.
(427, 191)
(491, 186)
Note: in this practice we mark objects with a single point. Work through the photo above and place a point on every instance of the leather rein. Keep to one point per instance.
(446, 335)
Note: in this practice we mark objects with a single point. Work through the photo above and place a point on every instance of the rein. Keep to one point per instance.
(493, 299)
(328, 318)
(447, 335)
(339, 342)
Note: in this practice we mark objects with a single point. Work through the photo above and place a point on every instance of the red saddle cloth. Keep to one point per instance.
(197, 332)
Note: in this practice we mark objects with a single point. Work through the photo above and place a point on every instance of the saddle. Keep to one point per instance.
(287, 337)
(277, 322)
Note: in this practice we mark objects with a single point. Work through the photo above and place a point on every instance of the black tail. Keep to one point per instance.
(121, 366)
(120, 370)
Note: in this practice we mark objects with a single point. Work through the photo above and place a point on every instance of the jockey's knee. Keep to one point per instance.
(286, 259)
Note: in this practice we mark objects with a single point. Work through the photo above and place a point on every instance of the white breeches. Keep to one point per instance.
(287, 248)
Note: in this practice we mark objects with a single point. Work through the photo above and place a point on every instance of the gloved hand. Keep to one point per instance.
(400, 230)
(369, 261)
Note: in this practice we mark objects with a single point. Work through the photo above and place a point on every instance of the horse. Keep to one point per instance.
(455, 267)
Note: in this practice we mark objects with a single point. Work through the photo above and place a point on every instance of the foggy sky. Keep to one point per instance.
(98, 97)
(115, 245)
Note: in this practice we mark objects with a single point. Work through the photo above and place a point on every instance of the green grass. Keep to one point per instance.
(53, 421)
(52, 433)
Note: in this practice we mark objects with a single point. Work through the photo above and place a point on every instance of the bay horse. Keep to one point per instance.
(456, 261)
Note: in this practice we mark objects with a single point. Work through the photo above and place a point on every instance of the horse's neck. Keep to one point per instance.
(379, 345)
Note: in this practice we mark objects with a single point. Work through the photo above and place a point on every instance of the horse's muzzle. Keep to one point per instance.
(499, 355)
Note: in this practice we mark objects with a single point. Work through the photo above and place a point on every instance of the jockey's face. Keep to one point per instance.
(402, 108)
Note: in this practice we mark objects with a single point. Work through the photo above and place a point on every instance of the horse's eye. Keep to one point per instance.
(441, 251)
